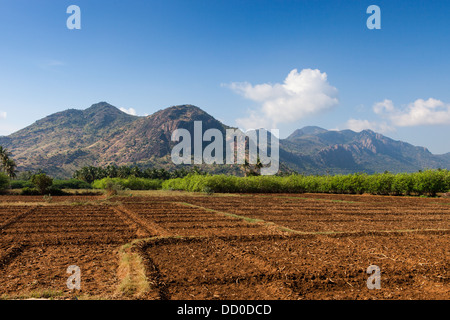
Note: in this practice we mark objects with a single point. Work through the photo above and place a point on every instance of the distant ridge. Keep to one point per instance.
(316, 150)
(102, 134)
(310, 130)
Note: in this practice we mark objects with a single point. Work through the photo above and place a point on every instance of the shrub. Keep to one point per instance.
(20, 184)
(4, 181)
(113, 188)
(403, 184)
(208, 191)
(133, 183)
(42, 182)
(27, 191)
(55, 191)
(71, 184)
(48, 198)
(380, 184)
(130, 183)
(431, 182)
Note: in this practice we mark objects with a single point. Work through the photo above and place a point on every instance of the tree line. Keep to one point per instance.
(92, 173)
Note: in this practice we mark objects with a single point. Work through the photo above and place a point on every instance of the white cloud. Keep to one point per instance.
(301, 94)
(129, 111)
(360, 125)
(384, 106)
(3, 115)
(417, 113)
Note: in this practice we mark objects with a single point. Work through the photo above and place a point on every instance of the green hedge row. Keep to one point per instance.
(130, 183)
(27, 191)
(58, 184)
(429, 182)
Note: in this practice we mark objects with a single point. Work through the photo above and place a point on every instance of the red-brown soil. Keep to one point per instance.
(319, 215)
(314, 267)
(280, 246)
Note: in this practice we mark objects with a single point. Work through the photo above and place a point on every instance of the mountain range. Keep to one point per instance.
(102, 134)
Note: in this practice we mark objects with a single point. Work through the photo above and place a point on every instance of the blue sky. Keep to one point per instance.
(232, 59)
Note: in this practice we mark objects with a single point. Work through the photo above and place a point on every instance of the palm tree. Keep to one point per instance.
(7, 164)
(10, 168)
(3, 156)
(111, 171)
(135, 171)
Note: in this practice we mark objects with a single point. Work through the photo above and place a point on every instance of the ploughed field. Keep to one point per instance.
(189, 246)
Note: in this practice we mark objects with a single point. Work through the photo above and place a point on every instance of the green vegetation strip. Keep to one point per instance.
(428, 182)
